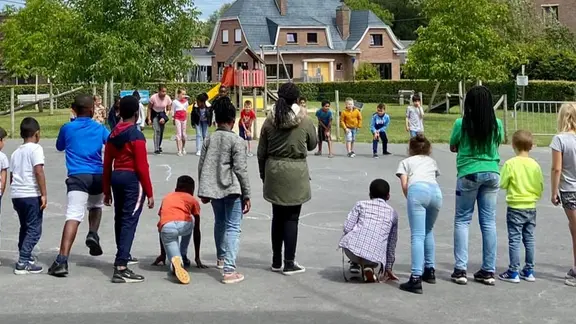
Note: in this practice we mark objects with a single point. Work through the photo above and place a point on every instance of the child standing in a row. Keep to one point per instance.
(351, 122)
(378, 126)
(325, 118)
(247, 118)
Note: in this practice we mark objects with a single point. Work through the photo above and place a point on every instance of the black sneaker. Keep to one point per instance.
(429, 275)
(58, 269)
(375, 155)
(157, 152)
(459, 277)
(133, 261)
(354, 267)
(485, 277)
(93, 243)
(386, 153)
(126, 276)
(414, 285)
(160, 150)
(292, 268)
(187, 263)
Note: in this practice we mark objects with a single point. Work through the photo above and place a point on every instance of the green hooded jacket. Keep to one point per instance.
(282, 153)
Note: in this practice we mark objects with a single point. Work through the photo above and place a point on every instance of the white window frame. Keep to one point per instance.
(547, 11)
(372, 40)
(295, 38)
(225, 36)
(237, 35)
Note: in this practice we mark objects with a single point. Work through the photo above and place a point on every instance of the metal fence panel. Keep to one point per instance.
(538, 117)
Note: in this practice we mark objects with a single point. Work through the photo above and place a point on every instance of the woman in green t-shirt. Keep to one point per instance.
(476, 138)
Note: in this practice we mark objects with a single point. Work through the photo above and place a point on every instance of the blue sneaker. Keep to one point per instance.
(27, 268)
(509, 276)
(527, 275)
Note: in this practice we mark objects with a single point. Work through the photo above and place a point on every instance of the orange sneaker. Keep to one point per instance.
(178, 268)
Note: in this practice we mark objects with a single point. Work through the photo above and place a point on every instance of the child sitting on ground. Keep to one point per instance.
(351, 122)
(247, 118)
(176, 226)
(522, 178)
(371, 234)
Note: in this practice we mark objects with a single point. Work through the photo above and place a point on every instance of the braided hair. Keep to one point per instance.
(224, 111)
(479, 122)
(287, 96)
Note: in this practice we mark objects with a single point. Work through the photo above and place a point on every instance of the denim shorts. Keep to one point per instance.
(351, 135)
(568, 200)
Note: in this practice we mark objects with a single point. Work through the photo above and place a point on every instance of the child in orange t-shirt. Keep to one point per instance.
(176, 226)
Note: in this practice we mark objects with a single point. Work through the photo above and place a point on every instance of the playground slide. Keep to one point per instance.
(272, 95)
(213, 92)
(440, 108)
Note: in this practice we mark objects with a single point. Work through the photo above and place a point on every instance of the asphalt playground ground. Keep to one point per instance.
(318, 296)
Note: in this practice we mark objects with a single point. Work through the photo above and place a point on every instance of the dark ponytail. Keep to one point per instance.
(287, 96)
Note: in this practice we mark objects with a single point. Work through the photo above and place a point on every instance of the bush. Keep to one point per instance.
(367, 71)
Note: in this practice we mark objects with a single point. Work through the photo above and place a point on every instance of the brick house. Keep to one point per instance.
(320, 40)
(562, 10)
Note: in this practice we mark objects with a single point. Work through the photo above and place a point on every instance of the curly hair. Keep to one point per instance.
(419, 145)
(224, 111)
(287, 96)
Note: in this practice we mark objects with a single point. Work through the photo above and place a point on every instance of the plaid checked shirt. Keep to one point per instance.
(371, 232)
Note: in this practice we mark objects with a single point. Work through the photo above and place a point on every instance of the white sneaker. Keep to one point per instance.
(180, 154)
(198, 153)
(250, 154)
(184, 152)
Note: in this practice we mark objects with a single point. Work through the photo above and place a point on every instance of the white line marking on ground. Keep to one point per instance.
(168, 170)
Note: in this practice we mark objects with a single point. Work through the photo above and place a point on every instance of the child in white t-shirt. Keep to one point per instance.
(4, 165)
(418, 175)
(28, 190)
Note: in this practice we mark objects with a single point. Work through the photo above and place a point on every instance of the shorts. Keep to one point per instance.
(322, 135)
(242, 133)
(568, 200)
(84, 193)
(351, 135)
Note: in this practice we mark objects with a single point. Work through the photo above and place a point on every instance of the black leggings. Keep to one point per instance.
(284, 231)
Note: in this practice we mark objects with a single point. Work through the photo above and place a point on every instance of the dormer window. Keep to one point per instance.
(292, 38)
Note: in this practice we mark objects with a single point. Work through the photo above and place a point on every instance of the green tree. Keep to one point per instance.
(377, 9)
(95, 40)
(209, 25)
(367, 71)
(462, 42)
(408, 17)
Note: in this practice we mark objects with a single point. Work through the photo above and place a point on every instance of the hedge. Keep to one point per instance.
(364, 91)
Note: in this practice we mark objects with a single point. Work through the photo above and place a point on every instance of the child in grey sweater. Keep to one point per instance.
(223, 174)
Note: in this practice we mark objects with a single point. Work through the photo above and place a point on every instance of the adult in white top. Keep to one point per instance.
(158, 110)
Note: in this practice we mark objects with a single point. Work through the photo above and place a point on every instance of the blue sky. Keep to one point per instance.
(209, 6)
(206, 6)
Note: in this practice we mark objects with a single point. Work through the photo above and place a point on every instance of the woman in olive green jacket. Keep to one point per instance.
(286, 137)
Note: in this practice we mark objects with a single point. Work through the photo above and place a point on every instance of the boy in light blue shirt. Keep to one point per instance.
(378, 126)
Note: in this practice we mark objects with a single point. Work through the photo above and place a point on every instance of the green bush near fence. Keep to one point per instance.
(363, 91)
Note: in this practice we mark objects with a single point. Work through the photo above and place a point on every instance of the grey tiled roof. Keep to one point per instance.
(198, 51)
(260, 20)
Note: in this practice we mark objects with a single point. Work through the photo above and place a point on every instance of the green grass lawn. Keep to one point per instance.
(437, 126)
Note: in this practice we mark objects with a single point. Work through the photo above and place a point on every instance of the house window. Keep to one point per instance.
(292, 38)
(385, 70)
(312, 38)
(339, 67)
(271, 71)
(237, 36)
(376, 40)
(550, 13)
(225, 36)
(242, 65)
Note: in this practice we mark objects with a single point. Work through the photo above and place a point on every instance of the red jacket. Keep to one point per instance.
(126, 151)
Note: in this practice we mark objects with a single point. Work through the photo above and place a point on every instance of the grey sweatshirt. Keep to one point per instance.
(223, 170)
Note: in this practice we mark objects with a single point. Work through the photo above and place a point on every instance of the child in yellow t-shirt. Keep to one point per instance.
(521, 177)
(351, 122)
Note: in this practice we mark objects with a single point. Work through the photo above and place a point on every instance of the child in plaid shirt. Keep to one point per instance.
(371, 234)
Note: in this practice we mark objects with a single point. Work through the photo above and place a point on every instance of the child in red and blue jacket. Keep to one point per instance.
(129, 181)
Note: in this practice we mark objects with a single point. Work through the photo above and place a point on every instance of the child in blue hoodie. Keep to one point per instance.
(378, 126)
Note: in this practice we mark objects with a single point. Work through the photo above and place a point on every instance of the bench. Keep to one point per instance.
(28, 98)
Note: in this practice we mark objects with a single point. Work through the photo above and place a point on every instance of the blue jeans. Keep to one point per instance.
(424, 202)
(171, 233)
(201, 132)
(227, 221)
(414, 133)
(30, 216)
(521, 224)
(481, 187)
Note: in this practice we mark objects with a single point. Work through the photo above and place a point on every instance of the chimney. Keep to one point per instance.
(282, 6)
(343, 20)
